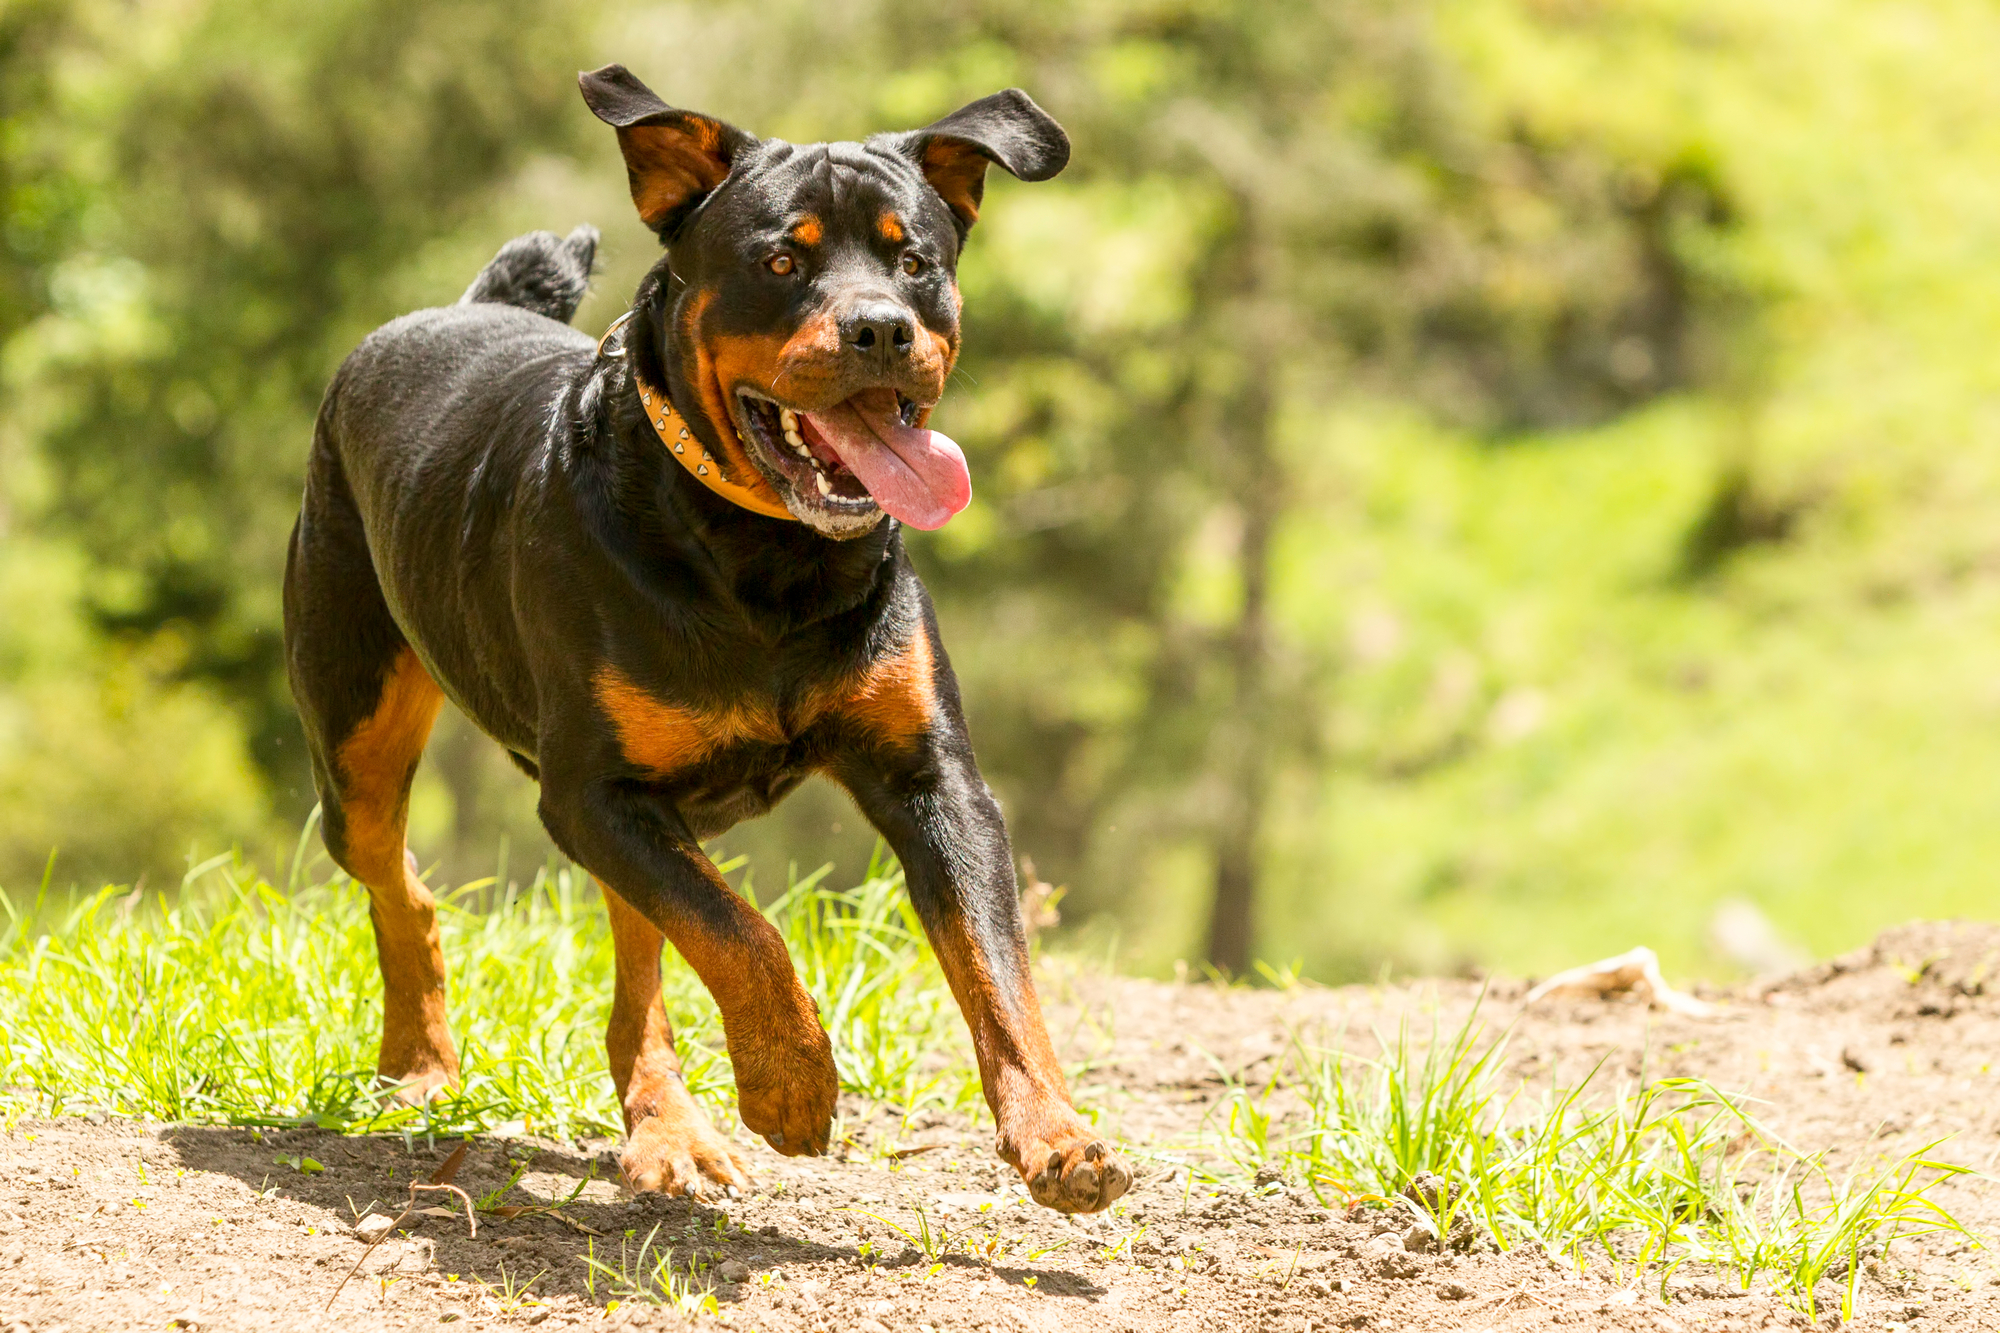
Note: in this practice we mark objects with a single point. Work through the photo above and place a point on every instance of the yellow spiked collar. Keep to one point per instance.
(688, 451)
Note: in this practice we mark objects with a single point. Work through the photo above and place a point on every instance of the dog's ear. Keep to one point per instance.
(1006, 128)
(673, 158)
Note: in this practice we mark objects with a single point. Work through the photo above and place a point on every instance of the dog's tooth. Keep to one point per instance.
(825, 486)
(788, 418)
(792, 437)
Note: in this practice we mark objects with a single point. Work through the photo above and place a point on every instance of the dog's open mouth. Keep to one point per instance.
(860, 454)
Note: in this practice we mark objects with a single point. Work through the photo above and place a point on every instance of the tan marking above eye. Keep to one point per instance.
(891, 227)
(808, 230)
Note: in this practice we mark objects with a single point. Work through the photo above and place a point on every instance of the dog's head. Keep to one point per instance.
(811, 313)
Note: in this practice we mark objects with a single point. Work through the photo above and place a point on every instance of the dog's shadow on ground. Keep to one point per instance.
(553, 1243)
(588, 1243)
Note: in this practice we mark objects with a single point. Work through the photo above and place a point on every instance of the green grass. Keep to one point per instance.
(238, 1000)
(241, 1001)
(1643, 1176)
(651, 1275)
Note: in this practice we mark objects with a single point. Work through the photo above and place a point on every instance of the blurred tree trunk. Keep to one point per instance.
(1254, 479)
(1246, 765)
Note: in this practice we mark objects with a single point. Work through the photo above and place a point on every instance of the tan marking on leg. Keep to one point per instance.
(671, 1145)
(786, 1083)
(375, 765)
(1066, 1165)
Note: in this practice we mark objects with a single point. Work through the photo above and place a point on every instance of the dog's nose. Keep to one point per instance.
(879, 331)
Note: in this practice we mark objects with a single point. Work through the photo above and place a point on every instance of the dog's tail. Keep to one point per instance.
(539, 272)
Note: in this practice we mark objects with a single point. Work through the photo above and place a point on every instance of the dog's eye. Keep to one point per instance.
(779, 264)
(912, 265)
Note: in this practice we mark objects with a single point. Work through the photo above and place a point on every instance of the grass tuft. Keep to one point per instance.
(233, 1001)
(653, 1276)
(1645, 1176)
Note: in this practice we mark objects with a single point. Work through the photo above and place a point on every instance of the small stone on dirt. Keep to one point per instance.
(733, 1270)
(1386, 1255)
(373, 1227)
(1430, 1189)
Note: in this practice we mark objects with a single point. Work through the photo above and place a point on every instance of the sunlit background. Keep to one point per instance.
(1487, 483)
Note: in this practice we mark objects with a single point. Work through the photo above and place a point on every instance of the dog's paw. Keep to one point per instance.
(681, 1154)
(1072, 1172)
(418, 1087)
(416, 1057)
(787, 1093)
(417, 1072)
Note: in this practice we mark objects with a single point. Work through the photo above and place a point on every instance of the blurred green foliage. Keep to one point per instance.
(1502, 478)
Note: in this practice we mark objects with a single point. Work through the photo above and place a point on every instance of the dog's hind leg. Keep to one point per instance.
(670, 1143)
(374, 767)
(367, 704)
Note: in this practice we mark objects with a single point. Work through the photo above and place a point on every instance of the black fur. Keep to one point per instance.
(485, 490)
(539, 272)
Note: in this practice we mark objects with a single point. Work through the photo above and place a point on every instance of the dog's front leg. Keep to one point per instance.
(632, 839)
(670, 1144)
(936, 812)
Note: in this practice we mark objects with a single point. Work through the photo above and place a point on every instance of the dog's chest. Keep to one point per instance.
(890, 701)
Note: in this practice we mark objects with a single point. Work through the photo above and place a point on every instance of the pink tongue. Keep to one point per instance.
(917, 475)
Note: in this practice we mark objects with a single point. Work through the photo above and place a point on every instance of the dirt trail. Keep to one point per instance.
(120, 1226)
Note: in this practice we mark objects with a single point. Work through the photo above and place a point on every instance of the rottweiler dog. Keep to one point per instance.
(666, 571)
